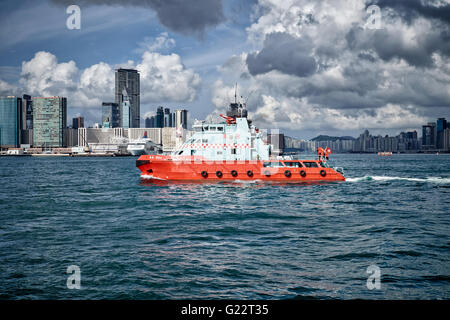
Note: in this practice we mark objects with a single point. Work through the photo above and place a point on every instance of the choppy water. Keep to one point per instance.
(138, 240)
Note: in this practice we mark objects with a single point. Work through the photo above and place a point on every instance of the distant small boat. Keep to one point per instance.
(386, 153)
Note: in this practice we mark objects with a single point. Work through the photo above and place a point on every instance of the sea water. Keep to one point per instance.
(132, 238)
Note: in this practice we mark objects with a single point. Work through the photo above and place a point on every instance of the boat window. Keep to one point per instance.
(219, 152)
(310, 164)
(198, 141)
(322, 165)
(180, 152)
(293, 164)
(233, 151)
(205, 128)
(204, 140)
(192, 152)
(212, 128)
(219, 128)
(272, 164)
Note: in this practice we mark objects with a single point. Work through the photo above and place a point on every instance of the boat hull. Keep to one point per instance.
(166, 168)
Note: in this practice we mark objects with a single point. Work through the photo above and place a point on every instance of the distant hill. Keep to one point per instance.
(330, 138)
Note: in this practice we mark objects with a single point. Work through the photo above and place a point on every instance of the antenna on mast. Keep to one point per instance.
(235, 90)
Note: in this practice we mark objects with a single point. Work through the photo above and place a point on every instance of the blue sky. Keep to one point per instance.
(307, 68)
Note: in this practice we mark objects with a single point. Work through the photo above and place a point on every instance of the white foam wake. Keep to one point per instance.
(147, 176)
(439, 180)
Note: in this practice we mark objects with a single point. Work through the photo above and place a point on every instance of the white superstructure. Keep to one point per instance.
(233, 139)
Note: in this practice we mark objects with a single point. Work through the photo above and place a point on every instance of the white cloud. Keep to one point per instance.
(365, 78)
(162, 42)
(96, 85)
(298, 114)
(165, 78)
(6, 89)
(43, 75)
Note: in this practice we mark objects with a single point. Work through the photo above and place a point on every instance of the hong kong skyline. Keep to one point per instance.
(305, 67)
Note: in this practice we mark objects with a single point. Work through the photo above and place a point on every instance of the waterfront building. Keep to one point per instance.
(27, 112)
(129, 80)
(126, 112)
(167, 118)
(446, 139)
(429, 136)
(181, 118)
(49, 121)
(441, 125)
(110, 115)
(149, 122)
(10, 121)
(77, 122)
(159, 117)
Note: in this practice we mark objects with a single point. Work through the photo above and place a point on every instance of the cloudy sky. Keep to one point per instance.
(306, 67)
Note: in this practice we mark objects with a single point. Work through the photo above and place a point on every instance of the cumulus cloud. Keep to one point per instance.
(186, 17)
(7, 89)
(316, 65)
(96, 85)
(299, 114)
(162, 42)
(165, 78)
(43, 75)
(285, 53)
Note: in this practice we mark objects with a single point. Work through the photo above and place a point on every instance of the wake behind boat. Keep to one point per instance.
(234, 150)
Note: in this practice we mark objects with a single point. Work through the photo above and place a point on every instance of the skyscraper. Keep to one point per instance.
(167, 118)
(49, 121)
(77, 122)
(129, 80)
(441, 125)
(127, 117)
(27, 112)
(181, 118)
(110, 115)
(10, 121)
(150, 122)
(159, 117)
(429, 136)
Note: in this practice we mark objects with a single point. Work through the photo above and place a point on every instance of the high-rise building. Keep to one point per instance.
(441, 125)
(49, 121)
(167, 118)
(159, 117)
(128, 79)
(126, 111)
(181, 118)
(10, 121)
(27, 112)
(110, 115)
(446, 139)
(429, 136)
(77, 122)
(150, 122)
